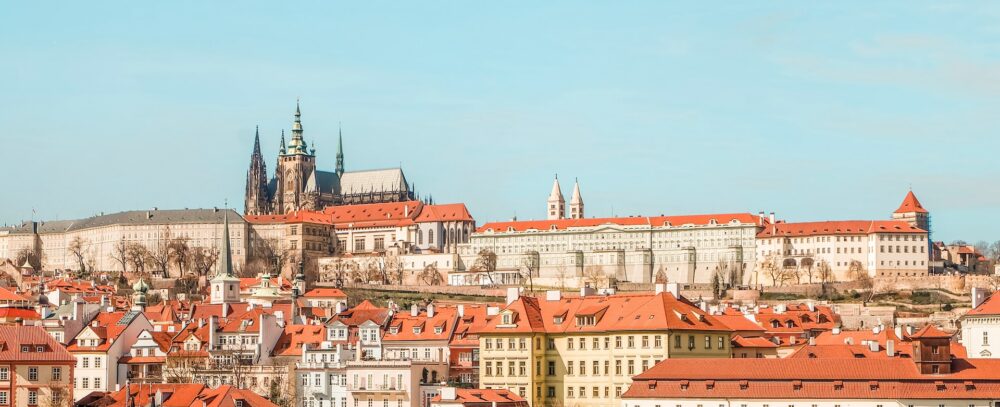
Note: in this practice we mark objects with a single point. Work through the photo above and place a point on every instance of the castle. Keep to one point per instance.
(298, 185)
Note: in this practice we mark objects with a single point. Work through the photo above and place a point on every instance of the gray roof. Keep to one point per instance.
(384, 180)
(151, 217)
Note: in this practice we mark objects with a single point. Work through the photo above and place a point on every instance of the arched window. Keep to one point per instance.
(420, 237)
(430, 236)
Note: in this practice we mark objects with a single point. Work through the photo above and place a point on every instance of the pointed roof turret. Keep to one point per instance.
(340, 151)
(556, 190)
(577, 198)
(224, 270)
(298, 144)
(256, 141)
(281, 150)
(910, 204)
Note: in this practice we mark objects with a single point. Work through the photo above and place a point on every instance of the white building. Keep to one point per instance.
(99, 347)
(981, 326)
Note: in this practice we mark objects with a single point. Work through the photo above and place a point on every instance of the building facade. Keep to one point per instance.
(34, 368)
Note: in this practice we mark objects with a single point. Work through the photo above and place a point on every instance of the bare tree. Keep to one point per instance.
(77, 249)
(530, 264)
(159, 254)
(773, 270)
(825, 274)
(180, 253)
(203, 259)
(486, 264)
(58, 396)
(994, 251)
(393, 264)
(857, 273)
(430, 275)
(808, 266)
(595, 274)
(137, 255)
(561, 276)
(119, 253)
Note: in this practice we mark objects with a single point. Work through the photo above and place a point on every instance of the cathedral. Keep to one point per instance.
(298, 185)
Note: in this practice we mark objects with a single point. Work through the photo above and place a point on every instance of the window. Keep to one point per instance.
(359, 244)
(657, 341)
(618, 367)
(569, 344)
(86, 362)
(986, 338)
(722, 342)
(295, 230)
(607, 342)
(569, 392)
(33, 373)
(4, 374)
(645, 341)
(379, 243)
(84, 383)
(677, 341)
(618, 342)
(606, 365)
(522, 370)
(551, 344)
(708, 342)
(489, 368)
(32, 397)
(595, 368)
(97, 361)
(583, 343)
(631, 341)
(56, 374)
(550, 391)
(631, 367)
(569, 367)
(97, 382)
(551, 369)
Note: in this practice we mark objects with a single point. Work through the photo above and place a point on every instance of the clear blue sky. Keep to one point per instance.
(814, 111)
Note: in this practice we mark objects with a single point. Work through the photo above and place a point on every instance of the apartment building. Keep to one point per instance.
(34, 368)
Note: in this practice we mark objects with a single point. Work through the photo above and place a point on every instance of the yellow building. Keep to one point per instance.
(568, 351)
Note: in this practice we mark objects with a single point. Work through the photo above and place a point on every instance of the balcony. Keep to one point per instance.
(378, 388)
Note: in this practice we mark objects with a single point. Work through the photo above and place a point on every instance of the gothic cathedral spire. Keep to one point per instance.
(340, 151)
(576, 202)
(257, 196)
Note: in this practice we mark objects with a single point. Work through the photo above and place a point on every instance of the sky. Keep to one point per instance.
(816, 111)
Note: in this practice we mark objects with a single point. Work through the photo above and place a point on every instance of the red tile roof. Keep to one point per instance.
(910, 204)
(563, 224)
(22, 313)
(13, 337)
(444, 213)
(7, 295)
(369, 215)
(502, 397)
(294, 337)
(185, 395)
(840, 227)
(324, 293)
(642, 311)
(930, 331)
(107, 328)
(989, 307)
(754, 342)
(739, 323)
(291, 217)
(402, 325)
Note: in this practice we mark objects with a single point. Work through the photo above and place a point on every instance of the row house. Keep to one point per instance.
(146, 360)
(99, 348)
(34, 368)
(557, 351)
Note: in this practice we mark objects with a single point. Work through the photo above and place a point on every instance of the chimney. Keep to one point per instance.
(899, 331)
(447, 393)
(406, 211)
(159, 397)
(909, 330)
(201, 322)
(225, 310)
(414, 310)
(461, 310)
(812, 341)
(513, 293)
(760, 217)
(835, 330)
(78, 310)
(890, 348)
(674, 289)
(157, 328)
(491, 311)
(212, 323)
(873, 346)
(430, 310)
(587, 290)
(340, 307)
(770, 218)
(553, 295)
(780, 308)
(660, 287)
(979, 296)
(811, 306)
(357, 352)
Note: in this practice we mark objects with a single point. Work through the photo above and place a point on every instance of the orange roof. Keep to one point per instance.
(379, 214)
(185, 395)
(502, 397)
(325, 292)
(107, 327)
(910, 204)
(755, 342)
(14, 313)
(930, 331)
(12, 338)
(294, 337)
(739, 323)
(7, 295)
(444, 213)
(806, 378)
(840, 227)
(403, 326)
(640, 311)
(563, 224)
(989, 307)
(473, 320)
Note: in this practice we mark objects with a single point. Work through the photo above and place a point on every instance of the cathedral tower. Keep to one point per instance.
(576, 202)
(340, 153)
(557, 205)
(225, 286)
(296, 163)
(258, 199)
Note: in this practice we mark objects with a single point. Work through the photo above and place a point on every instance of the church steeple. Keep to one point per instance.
(257, 196)
(576, 202)
(556, 202)
(225, 286)
(340, 151)
(281, 150)
(297, 145)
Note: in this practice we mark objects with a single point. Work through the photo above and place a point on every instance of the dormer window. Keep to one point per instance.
(508, 319)
(394, 330)
(558, 319)
(586, 320)
(438, 330)
(416, 329)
